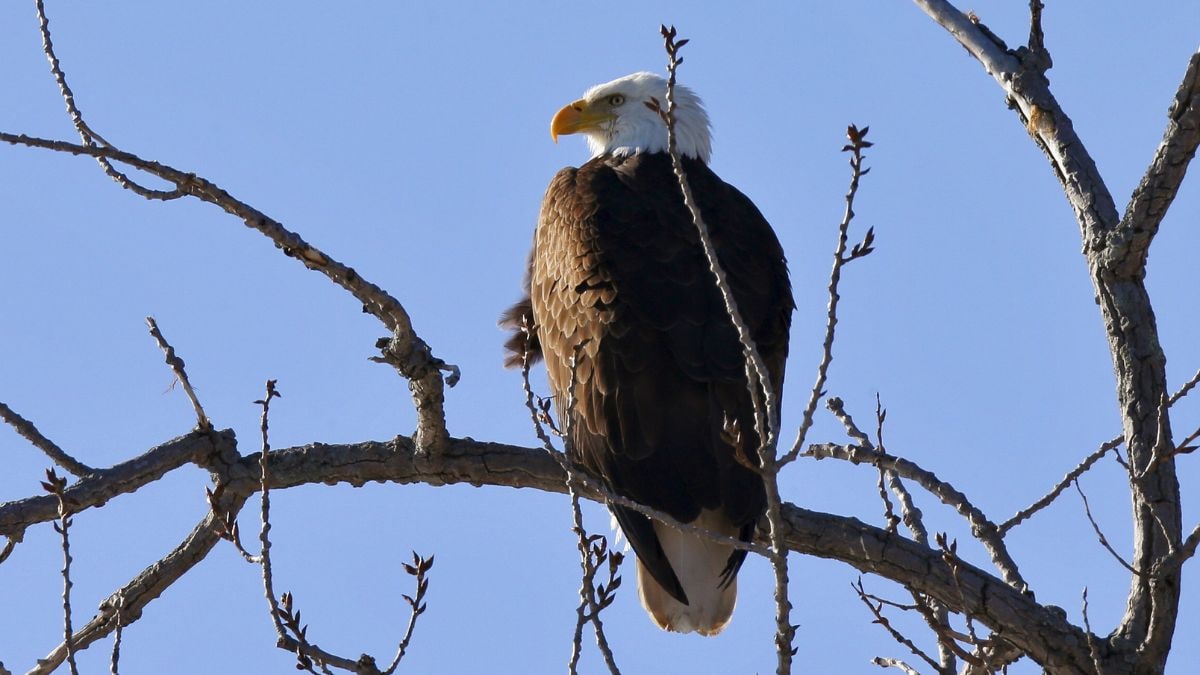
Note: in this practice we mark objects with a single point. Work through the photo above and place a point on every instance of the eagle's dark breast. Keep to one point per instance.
(662, 413)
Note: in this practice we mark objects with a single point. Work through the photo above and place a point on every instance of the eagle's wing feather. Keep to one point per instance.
(661, 410)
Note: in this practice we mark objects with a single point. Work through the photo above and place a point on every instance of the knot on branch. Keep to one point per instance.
(414, 359)
(220, 454)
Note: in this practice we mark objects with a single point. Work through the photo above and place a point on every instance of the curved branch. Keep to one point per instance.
(405, 350)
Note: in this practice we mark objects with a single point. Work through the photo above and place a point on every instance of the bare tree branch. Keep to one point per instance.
(857, 144)
(1086, 464)
(9, 545)
(144, 588)
(981, 526)
(88, 136)
(101, 485)
(587, 591)
(404, 350)
(876, 608)
(1100, 533)
(764, 399)
(1116, 250)
(1188, 549)
(1157, 189)
(887, 662)
(1071, 477)
(419, 568)
(177, 366)
(29, 432)
(935, 613)
(57, 487)
(1093, 648)
(1043, 633)
(118, 623)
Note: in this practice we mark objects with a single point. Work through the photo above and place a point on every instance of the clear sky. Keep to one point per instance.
(411, 142)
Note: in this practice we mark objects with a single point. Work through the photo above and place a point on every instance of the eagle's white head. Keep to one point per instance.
(617, 118)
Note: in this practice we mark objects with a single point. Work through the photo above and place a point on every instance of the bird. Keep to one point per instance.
(621, 304)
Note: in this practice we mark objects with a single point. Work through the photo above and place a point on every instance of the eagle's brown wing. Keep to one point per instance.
(661, 412)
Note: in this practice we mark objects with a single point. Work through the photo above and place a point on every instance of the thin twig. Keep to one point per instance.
(891, 520)
(1188, 549)
(1103, 540)
(857, 144)
(889, 513)
(228, 524)
(264, 534)
(910, 514)
(982, 528)
(1186, 388)
(9, 544)
(565, 463)
(758, 383)
(947, 637)
(1173, 450)
(89, 136)
(1093, 648)
(307, 658)
(279, 615)
(935, 613)
(57, 486)
(587, 609)
(881, 619)
(951, 559)
(1071, 476)
(119, 621)
(177, 366)
(888, 662)
(587, 587)
(56, 454)
(419, 568)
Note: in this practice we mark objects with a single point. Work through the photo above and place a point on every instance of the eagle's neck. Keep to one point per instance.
(643, 131)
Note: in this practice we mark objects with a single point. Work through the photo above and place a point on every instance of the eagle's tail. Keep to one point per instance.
(703, 569)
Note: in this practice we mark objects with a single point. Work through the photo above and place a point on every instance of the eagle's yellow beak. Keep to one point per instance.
(579, 116)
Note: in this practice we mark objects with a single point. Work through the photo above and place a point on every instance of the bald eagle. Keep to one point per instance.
(661, 411)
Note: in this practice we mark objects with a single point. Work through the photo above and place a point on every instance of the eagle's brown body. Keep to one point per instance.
(662, 413)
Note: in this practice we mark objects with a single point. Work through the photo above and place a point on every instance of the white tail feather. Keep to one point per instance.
(699, 564)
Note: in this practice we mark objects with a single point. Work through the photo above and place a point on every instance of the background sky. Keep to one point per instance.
(411, 142)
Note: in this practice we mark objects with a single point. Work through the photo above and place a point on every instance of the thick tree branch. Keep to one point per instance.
(1116, 251)
(1040, 631)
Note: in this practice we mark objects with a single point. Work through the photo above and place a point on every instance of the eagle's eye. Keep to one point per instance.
(616, 100)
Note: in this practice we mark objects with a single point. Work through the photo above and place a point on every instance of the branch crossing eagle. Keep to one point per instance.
(661, 411)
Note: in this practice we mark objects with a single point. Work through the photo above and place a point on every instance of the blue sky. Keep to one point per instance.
(411, 142)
